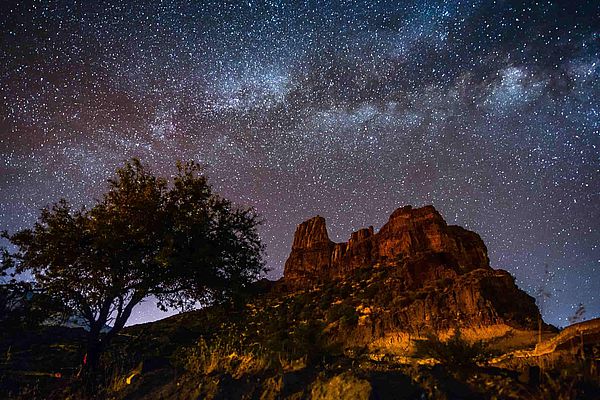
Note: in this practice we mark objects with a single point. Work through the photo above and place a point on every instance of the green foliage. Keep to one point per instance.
(577, 378)
(306, 340)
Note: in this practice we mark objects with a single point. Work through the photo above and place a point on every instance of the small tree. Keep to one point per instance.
(454, 352)
(23, 308)
(542, 295)
(578, 316)
(176, 241)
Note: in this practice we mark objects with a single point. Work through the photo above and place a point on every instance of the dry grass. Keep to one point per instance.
(341, 387)
(223, 356)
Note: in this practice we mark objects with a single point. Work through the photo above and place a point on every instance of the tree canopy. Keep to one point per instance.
(175, 240)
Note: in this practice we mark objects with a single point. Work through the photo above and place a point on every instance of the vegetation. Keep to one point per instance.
(455, 351)
(305, 344)
(176, 241)
(579, 314)
(24, 308)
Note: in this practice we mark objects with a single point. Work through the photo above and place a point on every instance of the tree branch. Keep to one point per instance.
(122, 319)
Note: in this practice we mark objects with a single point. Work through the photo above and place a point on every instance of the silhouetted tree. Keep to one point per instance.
(542, 295)
(24, 308)
(177, 241)
(578, 316)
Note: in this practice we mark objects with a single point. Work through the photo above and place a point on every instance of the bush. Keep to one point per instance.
(325, 300)
(455, 352)
(342, 311)
(222, 356)
(372, 291)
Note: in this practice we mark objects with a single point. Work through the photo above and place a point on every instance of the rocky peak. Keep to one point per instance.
(408, 212)
(409, 233)
(360, 235)
(311, 233)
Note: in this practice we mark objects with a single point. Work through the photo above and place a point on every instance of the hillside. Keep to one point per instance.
(411, 311)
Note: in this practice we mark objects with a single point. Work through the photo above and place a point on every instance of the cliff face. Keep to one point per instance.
(425, 274)
(312, 251)
(409, 233)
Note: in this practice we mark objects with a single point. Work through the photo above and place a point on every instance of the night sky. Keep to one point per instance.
(489, 110)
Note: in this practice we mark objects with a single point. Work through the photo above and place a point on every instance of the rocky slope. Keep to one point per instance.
(437, 275)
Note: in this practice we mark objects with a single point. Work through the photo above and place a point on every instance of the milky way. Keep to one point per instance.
(487, 110)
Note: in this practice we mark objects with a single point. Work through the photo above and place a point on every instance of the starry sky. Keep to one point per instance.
(489, 110)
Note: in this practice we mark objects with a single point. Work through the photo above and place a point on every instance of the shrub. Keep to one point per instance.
(372, 291)
(325, 300)
(337, 311)
(455, 352)
(306, 340)
(222, 356)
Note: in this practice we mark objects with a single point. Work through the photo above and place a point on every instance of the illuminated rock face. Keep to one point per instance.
(312, 252)
(409, 233)
(428, 274)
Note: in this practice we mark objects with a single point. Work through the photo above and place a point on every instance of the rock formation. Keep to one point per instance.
(408, 234)
(435, 275)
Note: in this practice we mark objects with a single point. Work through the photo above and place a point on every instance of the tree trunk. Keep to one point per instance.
(90, 373)
(98, 342)
(92, 357)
